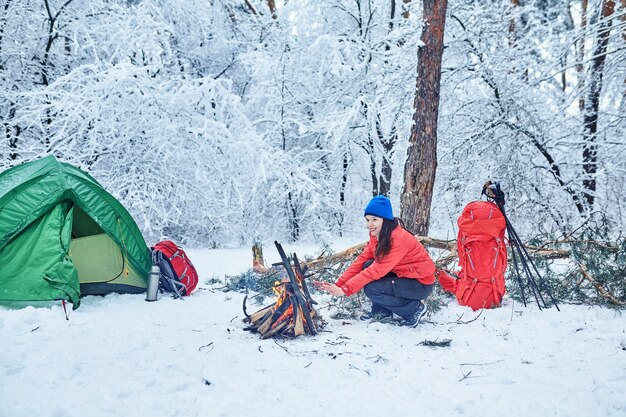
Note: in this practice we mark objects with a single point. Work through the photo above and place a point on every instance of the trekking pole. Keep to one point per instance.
(492, 191)
(517, 275)
(524, 261)
(541, 281)
(515, 246)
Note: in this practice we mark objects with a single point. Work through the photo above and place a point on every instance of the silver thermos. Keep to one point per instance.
(153, 283)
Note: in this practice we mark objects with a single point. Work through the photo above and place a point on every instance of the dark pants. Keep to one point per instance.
(391, 294)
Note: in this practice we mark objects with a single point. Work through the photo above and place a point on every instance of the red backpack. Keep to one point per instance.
(482, 257)
(178, 275)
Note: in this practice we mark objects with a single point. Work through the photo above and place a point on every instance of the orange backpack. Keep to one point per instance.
(482, 257)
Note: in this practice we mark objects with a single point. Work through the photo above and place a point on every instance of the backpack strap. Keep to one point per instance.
(178, 287)
(168, 280)
(494, 288)
(468, 291)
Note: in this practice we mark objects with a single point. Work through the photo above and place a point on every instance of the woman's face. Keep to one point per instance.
(374, 224)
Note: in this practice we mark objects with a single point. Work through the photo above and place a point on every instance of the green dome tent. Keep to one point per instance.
(62, 236)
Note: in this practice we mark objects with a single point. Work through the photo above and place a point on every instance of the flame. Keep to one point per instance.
(278, 288)
(283, 291)
(287, 315)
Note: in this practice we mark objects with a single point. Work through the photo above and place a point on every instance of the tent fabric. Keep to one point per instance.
(45, 258)
(43, 204)
(98, 260)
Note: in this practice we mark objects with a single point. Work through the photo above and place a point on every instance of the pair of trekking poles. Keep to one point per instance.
(521, 259)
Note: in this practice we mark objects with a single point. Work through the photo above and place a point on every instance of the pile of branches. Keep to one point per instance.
(593, 273)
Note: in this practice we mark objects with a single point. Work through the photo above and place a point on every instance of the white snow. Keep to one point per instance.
(122, 356)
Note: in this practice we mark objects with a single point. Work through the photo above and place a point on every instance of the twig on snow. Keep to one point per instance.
(458, 320)
(379, 358)
(207, 346)
(283, 347)
(481, 364)
(359, 369)
(466, 376)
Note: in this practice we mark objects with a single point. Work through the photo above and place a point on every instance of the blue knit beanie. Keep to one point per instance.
(379, 206)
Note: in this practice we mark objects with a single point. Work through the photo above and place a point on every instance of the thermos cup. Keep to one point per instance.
(153, 283)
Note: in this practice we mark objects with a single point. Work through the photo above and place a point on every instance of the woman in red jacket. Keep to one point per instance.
(394, 270)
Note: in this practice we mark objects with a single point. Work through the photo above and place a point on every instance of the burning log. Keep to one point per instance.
(293, 313)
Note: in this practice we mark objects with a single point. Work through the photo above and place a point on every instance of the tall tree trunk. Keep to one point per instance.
(12, 133)
(291, 205)
(272, 6)
(373, 167)
(52, 36)
(251, 7)
(3, 22)
(45, 61)
(386, 170)
(342, 190)
(623, 25)
(388, 144)
(421, 163)
(580, 54)
(405, 9)
(592, 105)
(513, 26)
(514, 30)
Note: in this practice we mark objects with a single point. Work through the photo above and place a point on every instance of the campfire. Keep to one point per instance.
(292, 314)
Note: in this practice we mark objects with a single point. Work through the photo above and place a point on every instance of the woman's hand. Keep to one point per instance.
(330, 288)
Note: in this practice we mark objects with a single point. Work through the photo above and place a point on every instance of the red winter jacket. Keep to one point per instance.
(407, 258)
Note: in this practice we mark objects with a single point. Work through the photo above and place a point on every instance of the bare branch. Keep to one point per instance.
(601, 290)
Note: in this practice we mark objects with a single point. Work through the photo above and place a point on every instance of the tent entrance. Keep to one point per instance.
(102, 266)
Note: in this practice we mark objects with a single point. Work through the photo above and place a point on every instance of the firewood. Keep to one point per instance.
(266, 322)
(275, 316)
(280, 323)
(298, 327)
(296, 289)
(292, 314)
(308, 322)
(300, 279)
(275, 330)
(254, 317)
(262, 319)
(265, 325)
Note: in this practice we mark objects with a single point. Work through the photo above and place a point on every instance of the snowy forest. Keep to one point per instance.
(224, 121)
(226, 125)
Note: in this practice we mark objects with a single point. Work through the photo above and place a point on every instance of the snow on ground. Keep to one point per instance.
(122, 356)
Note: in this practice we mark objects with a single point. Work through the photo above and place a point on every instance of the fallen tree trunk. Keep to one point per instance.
(429, 242)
